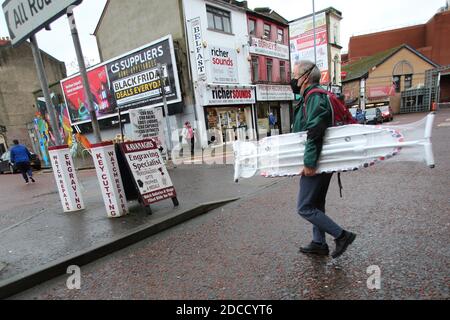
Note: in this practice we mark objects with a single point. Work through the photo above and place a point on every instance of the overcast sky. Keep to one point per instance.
(360, 16)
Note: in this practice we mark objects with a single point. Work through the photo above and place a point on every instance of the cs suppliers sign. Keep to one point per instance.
(26, 17)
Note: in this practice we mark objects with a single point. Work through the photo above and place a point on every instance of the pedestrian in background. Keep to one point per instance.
(21, 158)
(315, 116)
(188, 136)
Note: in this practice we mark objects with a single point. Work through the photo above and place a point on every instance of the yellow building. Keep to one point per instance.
(382, 79)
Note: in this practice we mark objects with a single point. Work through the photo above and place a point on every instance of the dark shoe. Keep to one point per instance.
(32, 180)
(342, 243)
(315, 248)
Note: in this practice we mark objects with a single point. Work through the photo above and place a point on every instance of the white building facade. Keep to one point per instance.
(218, 46)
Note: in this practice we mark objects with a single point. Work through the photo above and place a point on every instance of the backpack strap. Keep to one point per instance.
(340, 184)
(322, 91)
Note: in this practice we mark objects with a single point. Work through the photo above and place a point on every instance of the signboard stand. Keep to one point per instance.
(144, 175)
(108, 174)
(66, 179)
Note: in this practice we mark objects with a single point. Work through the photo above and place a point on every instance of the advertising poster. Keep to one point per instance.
(301, 37)
(224, 65)
(77, 102)
(148, 124)
(127, 82)
(149, 172)
(134, 77)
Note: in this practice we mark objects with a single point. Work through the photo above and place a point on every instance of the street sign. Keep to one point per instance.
(26, 17)
(148, 171)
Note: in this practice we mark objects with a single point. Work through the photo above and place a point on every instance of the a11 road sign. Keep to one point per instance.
(26, 17)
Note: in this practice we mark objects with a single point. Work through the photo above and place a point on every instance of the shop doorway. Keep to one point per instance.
(228, 124)
(269, 119)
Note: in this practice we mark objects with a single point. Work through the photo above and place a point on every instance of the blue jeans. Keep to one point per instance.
(311, 206)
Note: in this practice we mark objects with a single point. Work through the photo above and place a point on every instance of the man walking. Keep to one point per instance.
(315, 116)
(21, 157)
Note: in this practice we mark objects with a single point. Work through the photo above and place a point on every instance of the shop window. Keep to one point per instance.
(252, 27)
(280, 36)
(397, 83)
(408, 81)
(283, 72)
(255, 69)
(267, 31)
(218, 19)
(269, 69)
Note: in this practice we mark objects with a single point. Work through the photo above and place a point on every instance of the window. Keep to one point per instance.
(336, 33)
(408, 81)
(269, 69)
(283, 72)
(397, 83)
(218, 19)
(255, 69)
(252, 27)
(267, 31)
(280, 36)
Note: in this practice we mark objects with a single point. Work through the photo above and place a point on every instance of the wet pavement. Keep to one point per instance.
(34, 231)
(249, 249)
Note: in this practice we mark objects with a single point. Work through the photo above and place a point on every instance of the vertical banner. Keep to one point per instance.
(198, 44)
(148, 124)
(66, 179)
(108, 174)
(148, 170)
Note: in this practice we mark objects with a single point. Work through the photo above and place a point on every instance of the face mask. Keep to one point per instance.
(294, 86)
(294, 82)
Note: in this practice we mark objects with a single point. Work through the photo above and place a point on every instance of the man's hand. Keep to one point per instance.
(309, 172)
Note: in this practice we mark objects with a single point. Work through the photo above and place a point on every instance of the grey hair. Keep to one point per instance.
(305, 66)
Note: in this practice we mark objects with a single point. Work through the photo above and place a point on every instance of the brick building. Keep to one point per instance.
(429, 39)
(385, 77)
(18, 83)
(269, 55)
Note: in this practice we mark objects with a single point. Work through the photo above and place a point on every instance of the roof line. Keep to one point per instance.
(403, 46)
(317, 12)
(101, 17)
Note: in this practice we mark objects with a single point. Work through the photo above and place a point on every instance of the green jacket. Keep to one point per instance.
(318, 118)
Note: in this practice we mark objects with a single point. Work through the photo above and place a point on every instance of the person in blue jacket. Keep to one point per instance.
(21, 157)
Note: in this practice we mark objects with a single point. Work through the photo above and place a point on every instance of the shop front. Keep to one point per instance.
(273, 109)
(229, 113)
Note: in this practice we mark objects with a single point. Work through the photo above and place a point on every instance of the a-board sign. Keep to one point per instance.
(147, 123)
(110, 180)
(149, 172)
(66, 178)
(26, 17)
